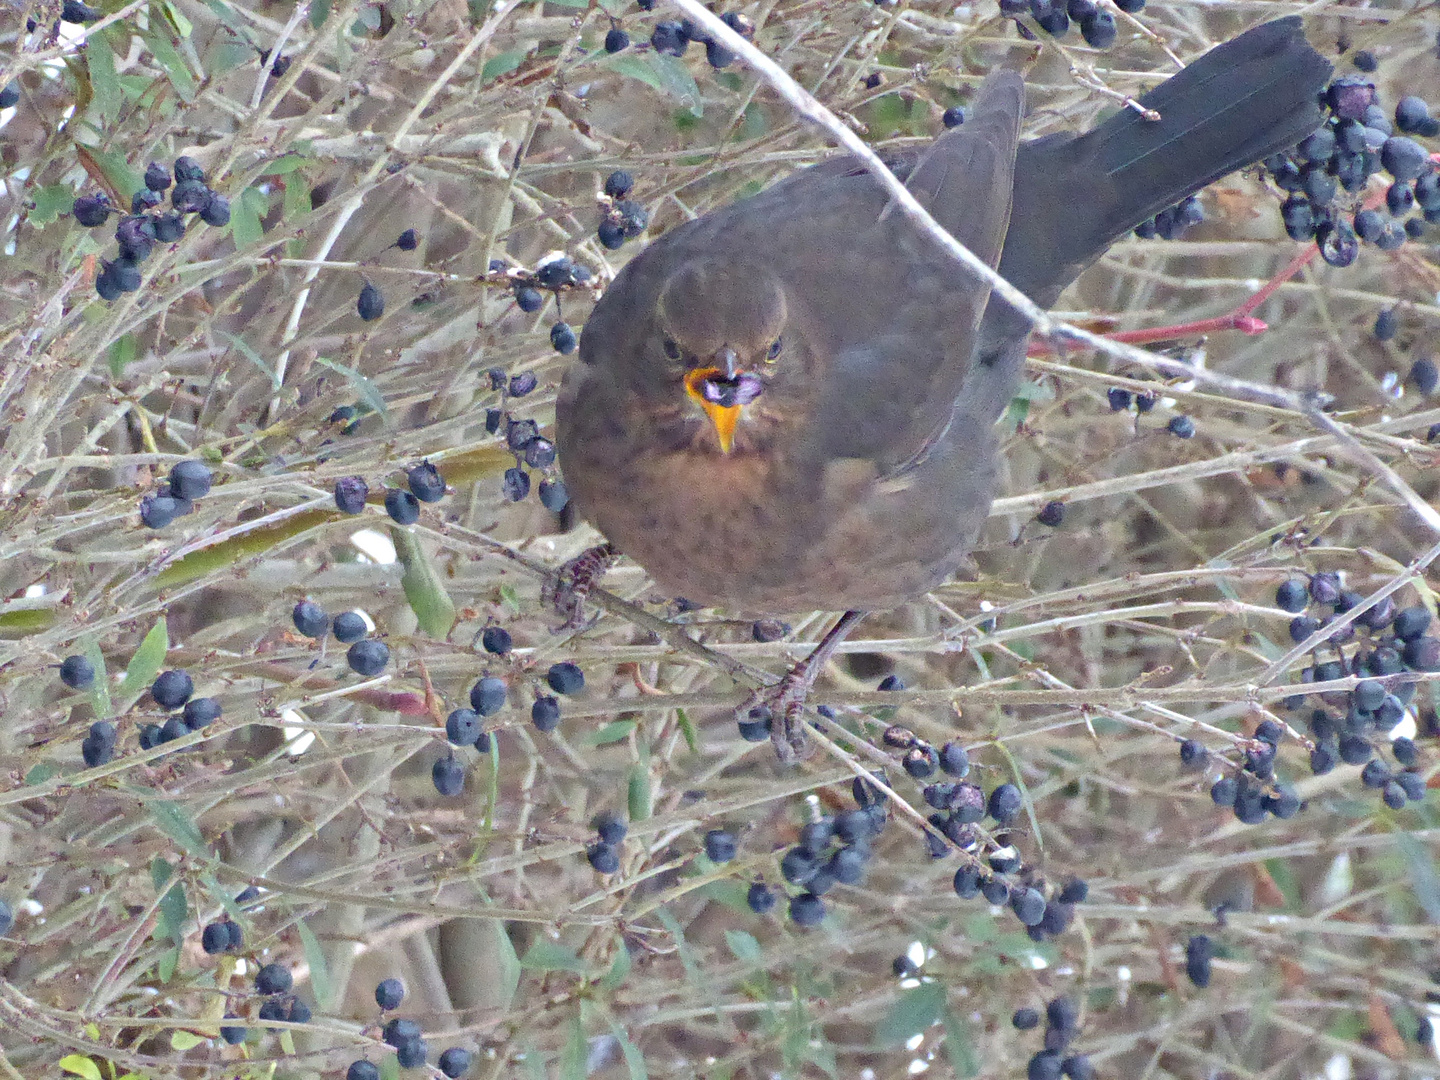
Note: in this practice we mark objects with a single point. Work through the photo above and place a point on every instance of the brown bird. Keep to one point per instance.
(789, 403)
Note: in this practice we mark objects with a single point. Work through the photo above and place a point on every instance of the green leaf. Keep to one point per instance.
(639, 792)
(368, 392)
(285, 163)
(100, 688)
(115, 169)
(169, 961)
(613, 732)
(508, 977)
(295, 203)
(614, 7)
(100, 62)
(743, 945)
(575, 1053)
(160, 872)
(174, 823)
(173, 64)
(1422, 874)
(434, 610)
(687, 728)
(80, 1065)
(633, 66)
(319, 968)
(960, 1047)
(245, 214)
(547, 955)
(914, 1013)
(182, 26)
(49, 203)
(676, 80)
(619, 969)
(506, 62)
(185, 1040)
(145, 664)
(122, 353)
(634, 1059)
(41, 772)
(173, 909)
(243, 347)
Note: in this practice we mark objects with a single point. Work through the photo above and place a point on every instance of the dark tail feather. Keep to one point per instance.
(1244, 100)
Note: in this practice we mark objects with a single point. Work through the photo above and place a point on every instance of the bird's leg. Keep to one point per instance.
(784, 700)
(567, 588)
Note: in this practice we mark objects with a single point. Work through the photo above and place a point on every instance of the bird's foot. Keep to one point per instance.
(784, 702)
(782, 706)
(567, 588)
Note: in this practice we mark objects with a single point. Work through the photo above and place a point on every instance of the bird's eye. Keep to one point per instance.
(775, 347)
(672, 350)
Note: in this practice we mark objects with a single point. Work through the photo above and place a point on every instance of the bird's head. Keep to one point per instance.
(721, 329)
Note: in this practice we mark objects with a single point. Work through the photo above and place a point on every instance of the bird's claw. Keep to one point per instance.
(566, 589)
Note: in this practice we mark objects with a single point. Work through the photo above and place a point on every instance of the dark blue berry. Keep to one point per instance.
(368, 658)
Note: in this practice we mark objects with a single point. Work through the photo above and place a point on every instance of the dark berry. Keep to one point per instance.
(1291, 596)
(545, 713)
(529, 299)
(200, 712)
(953, 116)
(236, 1035)
(462, 727)
(565, 678)
(720, 846)
(216, 212)
(1119, 399)
(371, 303)
(455, 1062)
(618, 184)
(403, 508)
(616, 40)
(1182, 427)
(487, 696)
(310, 619)
(215, 938)
(807, 909)
(1424, 376)
(91, 211)
(1029, 906)
(603, 857)
(350, 492)
(368, 658)
(426, 484)
(760, 898)
(1223, 791)
(1052, 514)
(1043, 1066)
(189, 196)
(448, 775)
(348, 627)
(953, 760)
(1193, 754)
(1404, 158)
(399, 1030)
(562, 338)
(670, 38)
(411, 1054)
(1005, 803)
(273, 979)
(408, 240)
(171, 689)
(515, 484)
(77, 672)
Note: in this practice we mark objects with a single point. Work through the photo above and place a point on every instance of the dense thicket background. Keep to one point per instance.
(1070, 661)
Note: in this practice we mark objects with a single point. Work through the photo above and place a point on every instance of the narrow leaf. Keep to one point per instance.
(677, 81)
(145, 664)
(547, 955)
(80, 1065)
(1422, 875)
(434, 610)
(506, 62)
(575, 1052)
(914, 1013)
(639, 792)
(634, 1059)
(100, 61)
(174, 823)
(319, 968)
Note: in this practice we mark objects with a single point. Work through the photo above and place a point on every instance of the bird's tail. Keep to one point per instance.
(1242, 101)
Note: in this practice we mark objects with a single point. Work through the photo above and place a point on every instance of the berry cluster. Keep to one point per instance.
(674, 38)
(171, 690)
(1097, 24)
(1386, 644)
(1120, 399)
(1062, 1018)
(140, 230)
(1357, 141)
(623, 218)
(367, 657)
(523, 439)
(175, 496)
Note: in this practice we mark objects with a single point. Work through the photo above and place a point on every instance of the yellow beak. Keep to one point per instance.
(724, 417)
